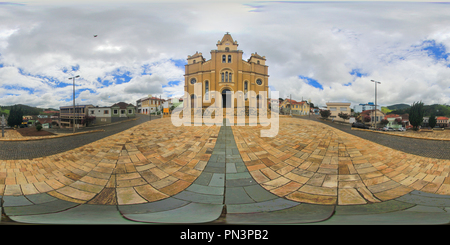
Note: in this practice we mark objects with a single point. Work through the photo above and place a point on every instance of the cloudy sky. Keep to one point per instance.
(323, 51)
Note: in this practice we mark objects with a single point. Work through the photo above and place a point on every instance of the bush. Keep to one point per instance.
(344, 116)
(39, 127)
(325, 113)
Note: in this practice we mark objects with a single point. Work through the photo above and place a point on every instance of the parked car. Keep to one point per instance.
(401, 129)
(359, 125)
(388, 129)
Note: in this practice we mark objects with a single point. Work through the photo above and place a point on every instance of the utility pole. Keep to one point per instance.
(3, 125)
(73, 79)
(375, 101)
(290, 105)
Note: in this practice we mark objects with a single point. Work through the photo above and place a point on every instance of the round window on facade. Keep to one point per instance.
(193, 80)
(258, 81)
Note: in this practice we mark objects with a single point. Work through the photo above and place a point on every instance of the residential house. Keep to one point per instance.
(121, 111)
(338, 107)
(67, 115)
(300, 108)
(177, 103)
(139, 105)
(45, 122)
(393, 120)
(102, 115)
(373, 118)
(150, 104)
(55, 119)
(294, 107)
(405, 120)
(426, 122)
(442, 122)
(269, 103)
(285, 106)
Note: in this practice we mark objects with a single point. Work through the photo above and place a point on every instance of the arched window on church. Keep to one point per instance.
(229, 58)
(223, 77)
(206, 90)
(245, 89)
(226, 76)
(224, 59)
(229, 77)
(227, 49)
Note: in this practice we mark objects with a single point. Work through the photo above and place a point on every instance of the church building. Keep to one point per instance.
(226, 71)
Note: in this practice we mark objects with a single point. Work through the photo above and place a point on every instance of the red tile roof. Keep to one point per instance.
(122, 105)
(442, 118)
(293, 102)
(153, 98)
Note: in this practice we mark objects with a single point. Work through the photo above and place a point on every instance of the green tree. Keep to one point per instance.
(432, 121)
(15, 116)
(87, 120)
(325, 113)
(344, 116)
(384, 122)
(416, 114)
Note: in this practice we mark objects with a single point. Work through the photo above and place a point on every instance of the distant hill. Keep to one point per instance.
(398, 107)
(27, 110)
(438, 110)
(385, 110)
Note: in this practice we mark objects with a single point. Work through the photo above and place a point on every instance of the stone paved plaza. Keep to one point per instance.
(156, 173)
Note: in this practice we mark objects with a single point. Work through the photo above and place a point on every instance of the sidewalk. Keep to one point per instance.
(12, 135)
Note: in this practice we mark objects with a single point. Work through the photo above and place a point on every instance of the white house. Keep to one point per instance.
(102, 114)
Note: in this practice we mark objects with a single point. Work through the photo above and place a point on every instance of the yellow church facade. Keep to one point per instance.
(226, 72)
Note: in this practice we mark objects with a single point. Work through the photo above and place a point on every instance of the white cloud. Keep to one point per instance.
(322, 41)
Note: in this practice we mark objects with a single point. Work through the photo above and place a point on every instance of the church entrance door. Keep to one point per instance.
(226, 97)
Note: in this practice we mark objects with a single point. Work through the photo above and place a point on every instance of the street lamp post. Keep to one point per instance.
(73, 79)
(375, 101)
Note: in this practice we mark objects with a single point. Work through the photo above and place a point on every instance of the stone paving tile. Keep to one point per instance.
(156, 172)
(425, 199)
(292, 213)
(315, 163)
(148, 162)
(415, 215)
(42, 208)
(166, 204)
(191, 213)
(81, 214)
